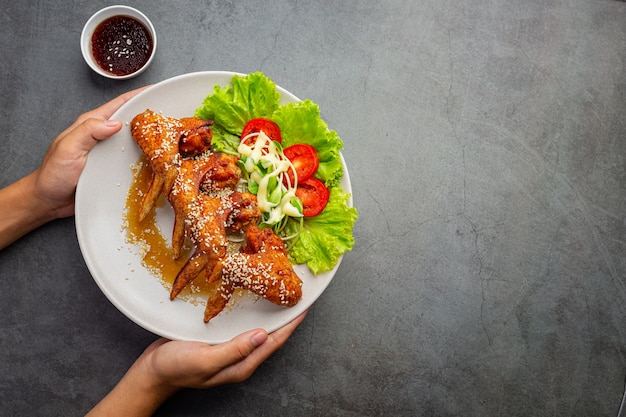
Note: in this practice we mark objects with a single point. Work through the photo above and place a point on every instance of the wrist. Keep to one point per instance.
(150, 385)
(39, 210)
(137, 394)
(22, 210)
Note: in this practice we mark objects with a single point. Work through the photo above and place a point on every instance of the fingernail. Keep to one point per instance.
(112, 123)
(258, 338)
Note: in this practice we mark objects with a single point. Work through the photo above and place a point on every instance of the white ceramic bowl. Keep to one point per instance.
(99, 17)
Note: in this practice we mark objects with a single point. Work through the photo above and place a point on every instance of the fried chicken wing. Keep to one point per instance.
(188, 204)
(195, 138)
(262, 267)
(222, 173)
(200, 185)
(159, 138)
(206, 217)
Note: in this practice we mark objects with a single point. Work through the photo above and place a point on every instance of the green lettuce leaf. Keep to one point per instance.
(224, 141)
(245, 98)
(327, 236)
(300, 122)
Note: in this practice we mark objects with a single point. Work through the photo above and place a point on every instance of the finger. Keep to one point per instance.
(277, 339)
(284, 332)
(239, 348)
(242, 370)
(105, 111)
(265, 346)
(85, 136)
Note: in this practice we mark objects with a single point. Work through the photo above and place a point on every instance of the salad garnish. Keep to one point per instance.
(307, 207)
(264, 168)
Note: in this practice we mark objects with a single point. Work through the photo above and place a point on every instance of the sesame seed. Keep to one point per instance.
(208, 209)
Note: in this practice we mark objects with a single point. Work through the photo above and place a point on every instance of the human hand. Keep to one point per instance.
(168, 366)
(56, 179)
(48, 192)
(175, 365)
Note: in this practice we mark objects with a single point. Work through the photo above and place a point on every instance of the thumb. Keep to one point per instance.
(239, 348)
(92, 130)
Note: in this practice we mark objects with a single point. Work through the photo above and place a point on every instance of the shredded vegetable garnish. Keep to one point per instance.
(322, 239)
(264, 170)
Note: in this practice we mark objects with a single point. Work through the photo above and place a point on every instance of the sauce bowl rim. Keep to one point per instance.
(100, 16)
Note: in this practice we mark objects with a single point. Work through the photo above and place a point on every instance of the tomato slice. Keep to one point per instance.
(314, 196)
(305, 160)
(259, 124)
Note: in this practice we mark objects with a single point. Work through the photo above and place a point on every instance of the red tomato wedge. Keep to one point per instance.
(314, 196)
(259, 124)
(305, 160)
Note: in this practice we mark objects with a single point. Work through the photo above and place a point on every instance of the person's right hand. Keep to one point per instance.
(55, 180)
(47, 193)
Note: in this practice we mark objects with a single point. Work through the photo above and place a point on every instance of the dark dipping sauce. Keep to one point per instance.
(121, 45)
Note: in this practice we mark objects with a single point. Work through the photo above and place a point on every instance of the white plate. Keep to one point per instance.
(116, 265)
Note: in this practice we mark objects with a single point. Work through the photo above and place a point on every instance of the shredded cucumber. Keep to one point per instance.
(264, 170)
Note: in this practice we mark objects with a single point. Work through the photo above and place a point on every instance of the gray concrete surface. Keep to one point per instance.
(486, 143)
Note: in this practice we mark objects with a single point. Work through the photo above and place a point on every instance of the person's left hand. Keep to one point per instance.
(57, 176)
(174, 365)
(166, 367)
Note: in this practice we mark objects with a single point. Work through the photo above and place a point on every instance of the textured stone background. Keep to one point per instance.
(486, 144)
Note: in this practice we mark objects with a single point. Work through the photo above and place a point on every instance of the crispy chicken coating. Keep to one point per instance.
(261, 267)
(200, 186)
(158, 137)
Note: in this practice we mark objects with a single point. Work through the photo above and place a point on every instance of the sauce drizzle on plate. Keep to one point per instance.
(156, 253)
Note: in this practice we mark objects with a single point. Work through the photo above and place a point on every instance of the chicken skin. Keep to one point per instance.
(261, 267)
(200, 185)
(159, 137)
